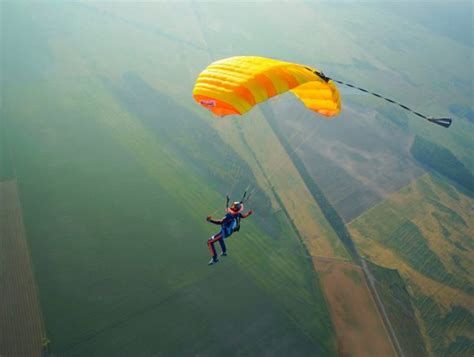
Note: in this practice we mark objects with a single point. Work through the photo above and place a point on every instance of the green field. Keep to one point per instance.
(116, 178)
(118, 243)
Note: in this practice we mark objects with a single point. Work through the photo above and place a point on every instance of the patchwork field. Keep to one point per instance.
(428, 239)
(20, 313)
(398, 306)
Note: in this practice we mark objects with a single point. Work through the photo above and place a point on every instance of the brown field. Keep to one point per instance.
(20, 315)
(359, 328)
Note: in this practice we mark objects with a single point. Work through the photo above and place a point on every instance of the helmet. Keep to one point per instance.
(236, 207)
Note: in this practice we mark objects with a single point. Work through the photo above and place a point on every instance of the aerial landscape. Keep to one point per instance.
(360, 238)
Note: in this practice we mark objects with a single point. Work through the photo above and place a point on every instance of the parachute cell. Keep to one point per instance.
(233, 86)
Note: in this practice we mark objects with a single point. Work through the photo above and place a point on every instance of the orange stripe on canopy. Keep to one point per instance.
(266, 83)
(287, 77)
(244, 93)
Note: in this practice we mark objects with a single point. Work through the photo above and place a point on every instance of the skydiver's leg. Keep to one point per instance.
(212, 249)
(210, 246)
(223, 247)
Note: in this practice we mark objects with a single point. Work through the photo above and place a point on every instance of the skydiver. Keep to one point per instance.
(230, 223)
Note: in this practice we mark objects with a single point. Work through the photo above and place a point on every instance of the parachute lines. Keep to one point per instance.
(444, 122)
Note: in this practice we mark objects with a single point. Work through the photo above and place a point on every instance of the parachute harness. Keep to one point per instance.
(445, 122)
(244, 199)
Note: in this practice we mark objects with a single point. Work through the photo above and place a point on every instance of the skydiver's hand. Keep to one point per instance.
(250, 212)
(208, 218)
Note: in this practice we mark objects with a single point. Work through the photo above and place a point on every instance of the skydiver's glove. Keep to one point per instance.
(250, 212)
(208, 218)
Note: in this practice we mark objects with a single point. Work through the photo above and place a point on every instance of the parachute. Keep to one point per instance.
(233, 86)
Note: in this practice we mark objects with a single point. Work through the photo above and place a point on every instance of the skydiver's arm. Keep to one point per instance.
(245, 215)
(214, 221)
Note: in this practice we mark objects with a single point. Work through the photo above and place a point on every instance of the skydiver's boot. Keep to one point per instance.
(224, 254)
(213, 260)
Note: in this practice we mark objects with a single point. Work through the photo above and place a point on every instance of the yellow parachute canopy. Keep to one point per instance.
(235, 85)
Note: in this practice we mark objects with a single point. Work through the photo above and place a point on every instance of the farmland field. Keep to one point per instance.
(428, 239)
(397, 302)
(115, 169)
